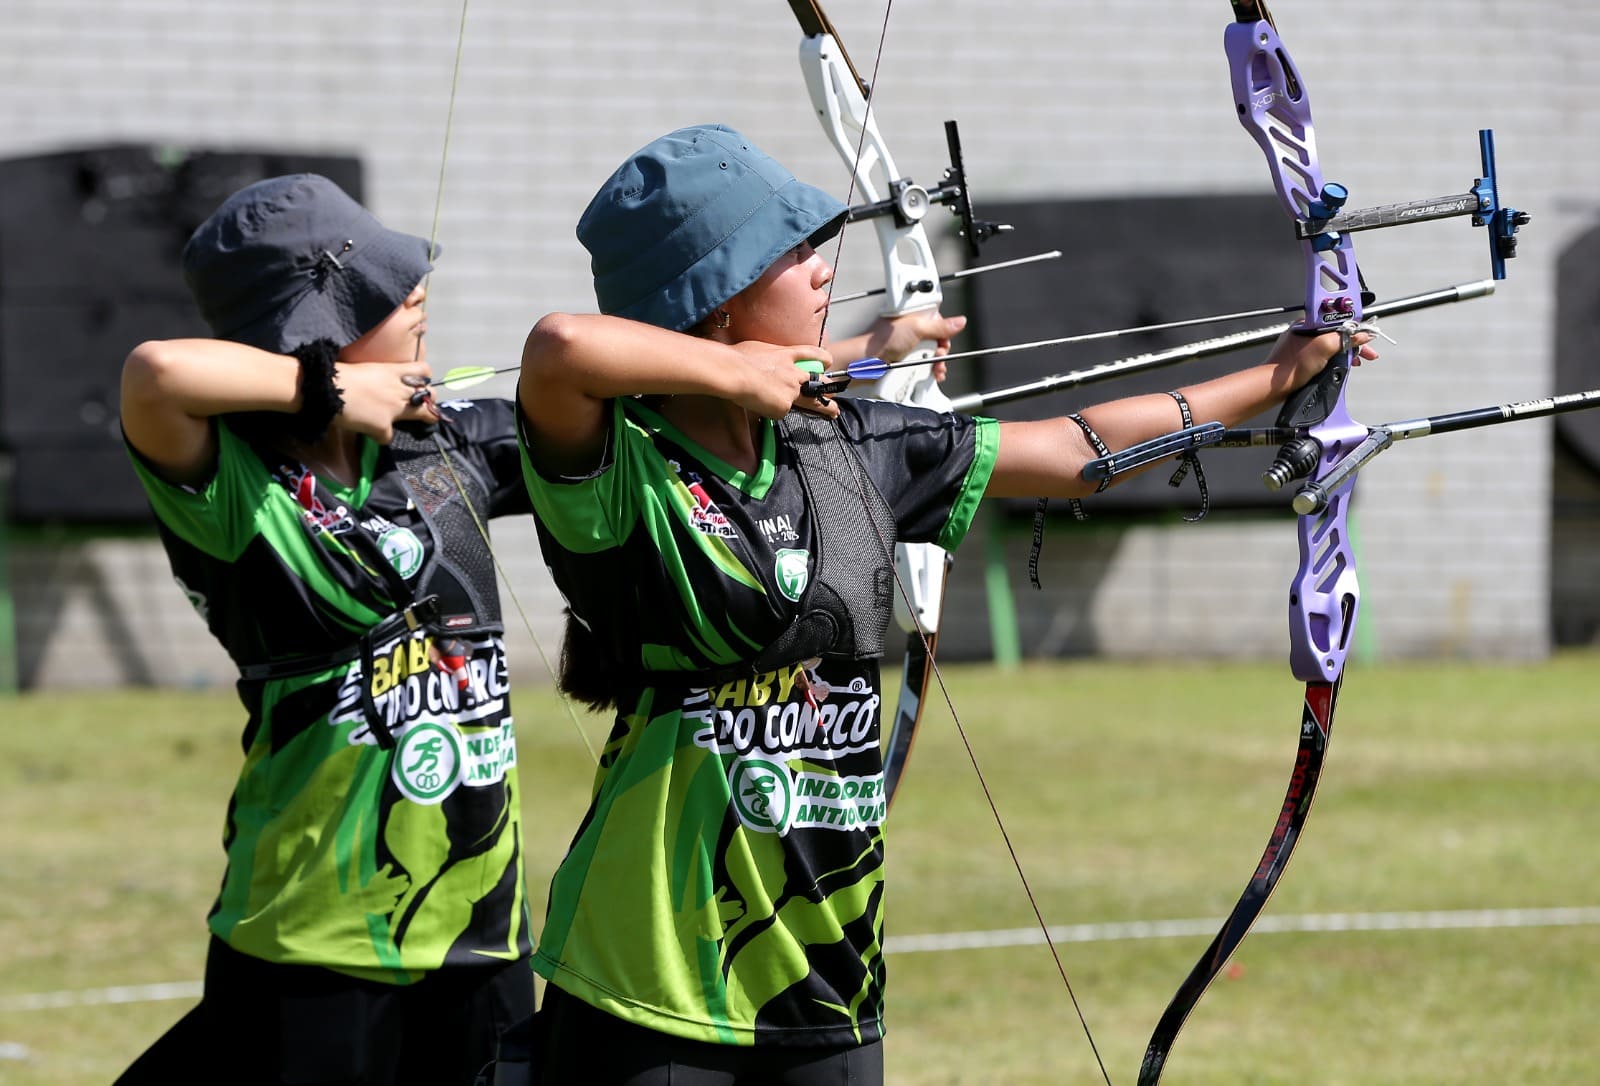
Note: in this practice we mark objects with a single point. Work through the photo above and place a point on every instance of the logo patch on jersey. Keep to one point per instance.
(427, 762)
(763, 795)
(403, 550)
(705, 516)
(766, 723)
(432, 760)
(318, 515)
(414, 680)
(793, 570)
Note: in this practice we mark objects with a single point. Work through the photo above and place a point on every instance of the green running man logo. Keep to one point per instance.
(427, 762)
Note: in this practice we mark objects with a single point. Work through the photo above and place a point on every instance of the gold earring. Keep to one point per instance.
(723, 319)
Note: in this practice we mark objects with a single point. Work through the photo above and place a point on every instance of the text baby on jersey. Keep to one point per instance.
(789, 712)
(411, 679)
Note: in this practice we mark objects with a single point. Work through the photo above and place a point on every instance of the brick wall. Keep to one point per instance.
(1060, 99)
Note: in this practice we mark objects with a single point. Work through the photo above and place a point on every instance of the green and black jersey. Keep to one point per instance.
(374, 828)
(726, 884)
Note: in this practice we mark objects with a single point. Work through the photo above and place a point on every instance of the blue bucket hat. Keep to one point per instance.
(690, 220)
(293, 259)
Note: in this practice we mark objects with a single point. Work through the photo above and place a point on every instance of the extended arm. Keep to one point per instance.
(1046, 458)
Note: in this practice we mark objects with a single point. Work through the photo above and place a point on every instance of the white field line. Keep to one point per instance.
(86, 997)
(1464, 919)
(1457, 920)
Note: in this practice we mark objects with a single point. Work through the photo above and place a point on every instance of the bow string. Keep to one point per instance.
(843, 101)
(896, 207)
(462, 377)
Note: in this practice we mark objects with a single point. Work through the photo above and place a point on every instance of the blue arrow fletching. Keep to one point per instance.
(867, 369)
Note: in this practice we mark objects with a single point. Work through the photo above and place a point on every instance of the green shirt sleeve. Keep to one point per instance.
(217, 518)
(986, 450)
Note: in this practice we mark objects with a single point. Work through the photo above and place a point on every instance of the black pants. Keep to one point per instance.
(580, 1045)
(262, 1024)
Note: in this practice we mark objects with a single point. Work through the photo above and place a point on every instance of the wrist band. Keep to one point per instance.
(320, 399)
(1095, 442)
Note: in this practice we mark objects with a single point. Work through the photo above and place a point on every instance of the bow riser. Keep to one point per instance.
(1323, 601)
(1273, 107)
(911, 282)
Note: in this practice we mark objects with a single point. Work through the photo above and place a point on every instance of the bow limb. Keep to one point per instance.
(911, 282)
(1274, 108)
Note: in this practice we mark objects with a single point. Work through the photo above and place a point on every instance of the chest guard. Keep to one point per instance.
(460, 570)
(845, 610)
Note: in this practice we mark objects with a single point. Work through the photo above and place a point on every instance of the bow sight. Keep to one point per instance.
(909, 202)
(1482, 202)
(1325, 225)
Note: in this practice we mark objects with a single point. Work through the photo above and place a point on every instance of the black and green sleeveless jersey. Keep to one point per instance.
(374, 828)
(726, 884)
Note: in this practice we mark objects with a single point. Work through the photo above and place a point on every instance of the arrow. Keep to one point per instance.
(462, 377)
(965, 273)
(871, 369)
(1205, 348)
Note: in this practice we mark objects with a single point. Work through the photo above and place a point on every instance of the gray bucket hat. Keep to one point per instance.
(294, 259)
(690, 220)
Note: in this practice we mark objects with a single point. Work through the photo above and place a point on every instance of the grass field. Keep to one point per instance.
(1132, 793)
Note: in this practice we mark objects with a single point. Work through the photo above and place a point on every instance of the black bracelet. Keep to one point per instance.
(1188, 460)
(1094, 440)
(320, 399)
(1078, 513)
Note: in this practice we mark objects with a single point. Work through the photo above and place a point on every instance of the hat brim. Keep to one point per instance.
(795, 213)
(346, 303)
